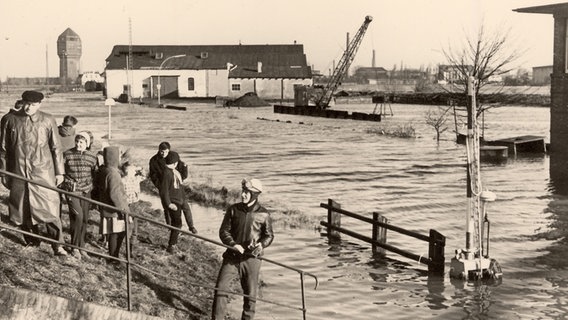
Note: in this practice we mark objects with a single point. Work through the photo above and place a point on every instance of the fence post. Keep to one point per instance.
(379, 234)
(436, 252)
(334, 219)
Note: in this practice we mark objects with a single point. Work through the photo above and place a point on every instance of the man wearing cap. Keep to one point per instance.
(247, 228)
(80, 168)
(30, 147)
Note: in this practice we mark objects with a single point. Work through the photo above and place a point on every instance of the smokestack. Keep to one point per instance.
(373, 62)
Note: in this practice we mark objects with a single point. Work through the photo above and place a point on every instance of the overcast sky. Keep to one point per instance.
(409, 32)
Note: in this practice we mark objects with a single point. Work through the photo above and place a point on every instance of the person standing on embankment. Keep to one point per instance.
(30, 147)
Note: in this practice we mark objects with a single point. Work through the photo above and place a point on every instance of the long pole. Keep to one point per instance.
(109, 122)
(159, 85)
(470, 145)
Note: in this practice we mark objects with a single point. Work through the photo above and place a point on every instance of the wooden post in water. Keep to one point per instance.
(334, 219)
(379, 234)
(436, 249)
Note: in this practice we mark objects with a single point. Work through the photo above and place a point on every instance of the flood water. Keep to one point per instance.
(418, 184)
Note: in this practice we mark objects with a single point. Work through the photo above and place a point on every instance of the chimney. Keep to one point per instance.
(373, 63)
(259, 67)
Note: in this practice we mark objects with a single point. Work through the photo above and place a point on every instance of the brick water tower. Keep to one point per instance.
(69, 52)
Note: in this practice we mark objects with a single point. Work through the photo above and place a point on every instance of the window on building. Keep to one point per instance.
(236, 87)
(190, 84)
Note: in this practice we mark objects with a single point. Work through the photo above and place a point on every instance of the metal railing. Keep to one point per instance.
(128, 260)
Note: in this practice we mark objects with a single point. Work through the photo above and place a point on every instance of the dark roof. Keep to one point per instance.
(557, 8)
(278, 61)
(68, 33)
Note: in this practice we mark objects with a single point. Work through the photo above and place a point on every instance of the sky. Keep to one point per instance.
(412, 33)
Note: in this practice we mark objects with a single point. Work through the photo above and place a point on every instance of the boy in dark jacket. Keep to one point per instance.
(172, 196)
(67, 132)
(157, 167)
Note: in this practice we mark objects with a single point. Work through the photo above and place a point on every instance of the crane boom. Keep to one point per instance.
(343, 65)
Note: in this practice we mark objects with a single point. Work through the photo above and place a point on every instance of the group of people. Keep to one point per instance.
(34, 147)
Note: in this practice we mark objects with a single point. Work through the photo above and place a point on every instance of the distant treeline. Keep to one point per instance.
(447, 98)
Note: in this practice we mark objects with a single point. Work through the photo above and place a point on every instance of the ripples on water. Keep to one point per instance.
(416, 183)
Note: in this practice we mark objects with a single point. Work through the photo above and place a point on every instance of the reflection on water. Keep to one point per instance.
(417, 184)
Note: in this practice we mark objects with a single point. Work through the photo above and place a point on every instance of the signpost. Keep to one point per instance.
(109, 102)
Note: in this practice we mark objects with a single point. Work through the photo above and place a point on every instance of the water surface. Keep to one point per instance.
(417, 183)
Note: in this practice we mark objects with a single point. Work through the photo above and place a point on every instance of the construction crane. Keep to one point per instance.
(322, 101)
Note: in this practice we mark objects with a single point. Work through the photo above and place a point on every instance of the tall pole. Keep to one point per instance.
(46, 67)
(109, 102)
(471, 113)
(129, 63)
(159, 85)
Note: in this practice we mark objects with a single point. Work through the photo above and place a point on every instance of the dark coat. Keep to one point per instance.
(246, 226)
(109, 184)
(67, 135)
(168, 192)
(158, 164)
(30, 147)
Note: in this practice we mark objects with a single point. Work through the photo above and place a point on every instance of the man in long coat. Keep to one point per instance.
(30, 147)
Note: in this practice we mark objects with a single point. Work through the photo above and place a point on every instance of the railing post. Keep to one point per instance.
(333, 219)
(379, 234)
(436, 248)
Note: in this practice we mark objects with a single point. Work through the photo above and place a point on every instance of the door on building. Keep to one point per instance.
(169, 86)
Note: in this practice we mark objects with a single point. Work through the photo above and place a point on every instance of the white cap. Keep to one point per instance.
(253, 185)
(85, 136)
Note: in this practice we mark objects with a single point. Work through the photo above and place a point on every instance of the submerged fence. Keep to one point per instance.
(129, 263)
(378, 240)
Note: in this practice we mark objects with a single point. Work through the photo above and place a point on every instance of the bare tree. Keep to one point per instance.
(437, 119)
(482, 56)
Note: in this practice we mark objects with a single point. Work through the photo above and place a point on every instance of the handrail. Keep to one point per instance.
(95, 253)
(127, 261)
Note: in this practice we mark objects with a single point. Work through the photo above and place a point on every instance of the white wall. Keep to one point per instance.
(208, 83)
(268, 88)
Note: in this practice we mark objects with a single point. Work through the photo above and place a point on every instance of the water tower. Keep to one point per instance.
(69, 52)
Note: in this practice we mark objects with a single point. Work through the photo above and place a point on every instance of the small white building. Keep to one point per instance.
(91, 76)
(271, 71)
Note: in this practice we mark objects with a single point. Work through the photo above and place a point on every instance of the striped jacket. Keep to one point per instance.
(80, 168)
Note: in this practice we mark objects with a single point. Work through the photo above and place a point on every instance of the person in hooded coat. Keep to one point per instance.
(30, 147)
(111, 191)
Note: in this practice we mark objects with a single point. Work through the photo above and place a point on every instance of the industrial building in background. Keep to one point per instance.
(69, 50)
(205, 71)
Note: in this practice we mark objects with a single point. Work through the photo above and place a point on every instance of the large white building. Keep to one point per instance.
(271, 71)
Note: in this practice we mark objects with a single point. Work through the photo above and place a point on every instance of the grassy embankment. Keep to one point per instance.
(182, 293)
